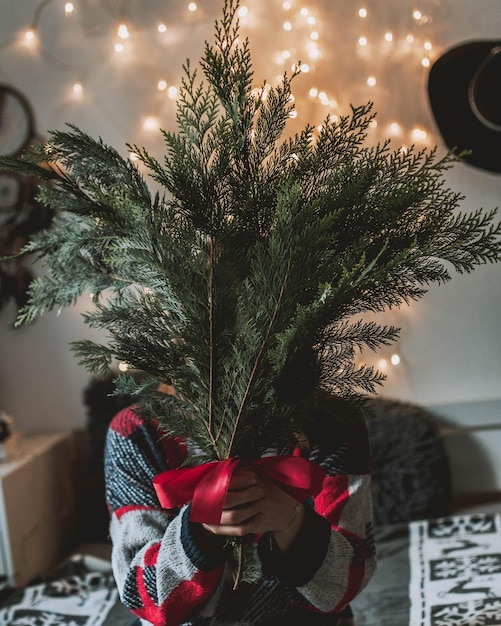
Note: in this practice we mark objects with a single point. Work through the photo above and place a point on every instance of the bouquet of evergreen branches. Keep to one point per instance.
(239, 284)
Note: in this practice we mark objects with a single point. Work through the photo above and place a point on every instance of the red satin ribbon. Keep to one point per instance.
(206, 485)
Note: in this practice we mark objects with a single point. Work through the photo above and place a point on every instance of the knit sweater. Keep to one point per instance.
(167, 579)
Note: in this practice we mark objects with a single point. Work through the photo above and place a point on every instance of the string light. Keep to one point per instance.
(395, 359)
(418, 134)
(123, 31)
(150, 124)
(394, 129)
(300, 19)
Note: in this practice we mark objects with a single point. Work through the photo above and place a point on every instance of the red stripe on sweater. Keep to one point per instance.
(126, 422)
(182, 602)
(331, 500)
(151, 555)
(175, 451)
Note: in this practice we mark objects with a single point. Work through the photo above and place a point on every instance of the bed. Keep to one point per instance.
(437, 566)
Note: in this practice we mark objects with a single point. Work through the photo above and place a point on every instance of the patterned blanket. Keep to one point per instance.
(455, 571)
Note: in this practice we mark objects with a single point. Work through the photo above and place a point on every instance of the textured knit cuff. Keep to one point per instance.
(203, 559)
(303, 559)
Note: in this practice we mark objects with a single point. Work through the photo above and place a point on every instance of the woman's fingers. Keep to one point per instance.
(243, 497)
(248, 527)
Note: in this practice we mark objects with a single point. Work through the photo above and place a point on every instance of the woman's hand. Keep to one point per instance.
(255, 505)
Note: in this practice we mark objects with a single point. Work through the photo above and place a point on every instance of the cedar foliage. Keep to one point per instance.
(239, 285)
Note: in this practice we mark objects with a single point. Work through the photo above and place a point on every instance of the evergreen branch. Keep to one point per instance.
(95, 358)
(257, 360)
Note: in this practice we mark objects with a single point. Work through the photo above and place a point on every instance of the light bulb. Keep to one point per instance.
(123, 31)
(371, 81)
(77, 88)
(395, 359)
(162, 85)
(362, 41)
(69, 7)
(192, 6)
(418, 134)
(150, 124)
(287, 26)
(362, 12)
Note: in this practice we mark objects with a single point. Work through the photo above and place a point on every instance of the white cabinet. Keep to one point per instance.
(37, 507)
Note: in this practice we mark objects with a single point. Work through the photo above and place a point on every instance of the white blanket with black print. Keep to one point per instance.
(455, 571)
(82, 594)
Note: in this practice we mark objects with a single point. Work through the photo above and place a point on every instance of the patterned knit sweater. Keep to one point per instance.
(165, 577)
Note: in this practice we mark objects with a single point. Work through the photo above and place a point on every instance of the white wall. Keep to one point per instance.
(450, 344)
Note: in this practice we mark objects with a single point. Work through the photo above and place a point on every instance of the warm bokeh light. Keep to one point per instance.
(302, 33)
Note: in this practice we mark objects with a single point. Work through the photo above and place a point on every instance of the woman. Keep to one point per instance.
(315, 555)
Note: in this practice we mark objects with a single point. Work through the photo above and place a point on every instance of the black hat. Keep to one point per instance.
(464, 86)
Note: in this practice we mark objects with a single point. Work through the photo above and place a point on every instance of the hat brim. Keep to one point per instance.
(448, 85)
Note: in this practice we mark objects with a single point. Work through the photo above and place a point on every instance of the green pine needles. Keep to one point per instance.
(239, 285)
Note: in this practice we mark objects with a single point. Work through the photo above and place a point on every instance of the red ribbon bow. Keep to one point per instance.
(207, 485)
